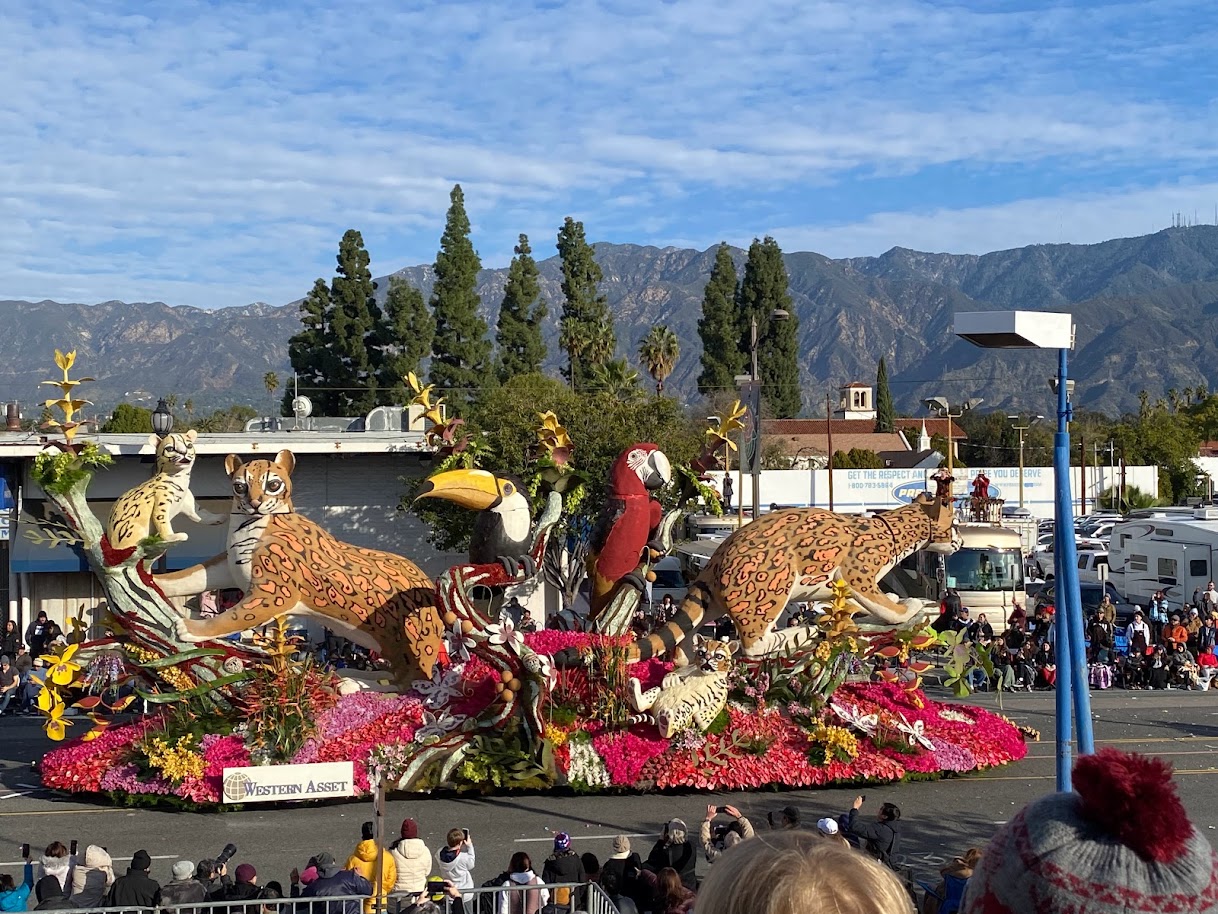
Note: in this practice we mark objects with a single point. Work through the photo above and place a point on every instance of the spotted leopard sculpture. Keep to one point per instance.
(796, 555)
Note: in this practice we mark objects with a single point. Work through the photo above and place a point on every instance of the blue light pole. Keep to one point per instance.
(1050, 330)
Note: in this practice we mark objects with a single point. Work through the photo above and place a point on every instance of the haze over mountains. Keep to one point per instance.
(1146, 310)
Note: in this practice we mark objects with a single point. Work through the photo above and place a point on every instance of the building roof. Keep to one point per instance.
(844, 441)
(29, 444)
(934, 426)
(910, 460)
(858, 427)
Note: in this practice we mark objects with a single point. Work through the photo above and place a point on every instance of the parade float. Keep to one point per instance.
(465, 701)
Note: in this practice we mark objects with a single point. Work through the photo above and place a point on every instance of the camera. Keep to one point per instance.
(25, 852)
(226, 855)
(435, 889)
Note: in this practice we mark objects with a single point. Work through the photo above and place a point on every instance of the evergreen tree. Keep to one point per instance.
(763, 290)
(404, 339)
(719, 327)
(885, 413)
(518, 332)
(353, 326)
(314, 362)
(461, 351)
(586, 328)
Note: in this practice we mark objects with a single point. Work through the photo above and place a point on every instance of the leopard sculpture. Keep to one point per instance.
(286, 564)
(692, 695)
(796, 555)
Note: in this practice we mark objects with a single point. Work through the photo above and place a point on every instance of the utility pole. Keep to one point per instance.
(1021, 428)
(829, 442)
(1082, 475)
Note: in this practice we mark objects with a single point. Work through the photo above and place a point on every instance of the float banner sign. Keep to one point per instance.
(272, 783)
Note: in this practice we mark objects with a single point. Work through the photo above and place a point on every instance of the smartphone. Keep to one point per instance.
(25, 852)
(74, 845)
(722, 809)
(465, 831)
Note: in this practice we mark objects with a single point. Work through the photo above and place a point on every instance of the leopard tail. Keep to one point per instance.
(690, 615)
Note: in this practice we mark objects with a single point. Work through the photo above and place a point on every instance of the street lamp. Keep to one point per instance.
(162, 419)
(1050, 330)
(1021, 429)
(754, 382)
(941, 408)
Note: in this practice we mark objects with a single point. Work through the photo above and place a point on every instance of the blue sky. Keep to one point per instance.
(212, 154)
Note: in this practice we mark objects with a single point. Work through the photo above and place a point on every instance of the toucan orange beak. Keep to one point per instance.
(473, 489)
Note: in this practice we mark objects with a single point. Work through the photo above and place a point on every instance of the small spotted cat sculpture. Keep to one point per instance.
(287, 564)
(691, 695)
(150, 507)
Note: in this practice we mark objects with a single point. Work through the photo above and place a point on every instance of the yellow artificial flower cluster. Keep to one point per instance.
(839, 742)
(177, 762)
(555, 735)
(172, 675)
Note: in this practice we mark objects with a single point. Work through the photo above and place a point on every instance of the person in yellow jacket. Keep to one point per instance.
(363, 861)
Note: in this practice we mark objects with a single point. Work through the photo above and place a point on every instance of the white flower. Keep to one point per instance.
(951, 714)
(914, 732)
(542, 667)
(459, 643)
(586, 768)
(436, 726)
(505, 633)
(864, 723)
(441, 689)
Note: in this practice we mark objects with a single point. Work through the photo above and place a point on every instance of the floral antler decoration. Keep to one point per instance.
(65, 403)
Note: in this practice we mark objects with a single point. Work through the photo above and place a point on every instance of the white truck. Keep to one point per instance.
(1173, 551)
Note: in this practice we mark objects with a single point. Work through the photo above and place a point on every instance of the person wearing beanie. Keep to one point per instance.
(624, 865)
(333, 882)
(674, 850)
(363, 861)
(1121, 842)
(456, 862)
(50, 895)
(184, 889)
(564, 865)
(245, 885)
(93, 878)
(411, 859)
(718, 838)
(136, 889)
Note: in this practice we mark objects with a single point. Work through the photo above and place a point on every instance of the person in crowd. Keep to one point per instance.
(1133, 670)
(411, 859)
(592, 866)
(981, 632)
(674, 850)
(455, 861)
(1019, 616)
(10, 686)
(10, 639)
(40, 633)
(728, 491)
(1175, 632)
(14, 897)
(1046, 667)
(668, 609)
(1137, 634)
(272, 892)
(136, 889)
(528, 901)
(563, 865)
(1102, 638)
(1209, 599)
(623, 865)
(718, 838)
(92, 878)
(23, 663)
(184, 889)
(1015, 636)
(1042, 623)
(334, 882)
(213, 877)
(671, 894)
(785, 818)
(58, 862)
(881, 838)
(1107, 609)
(1182, 666)
(1122, 834)
(961, 867)
(1193, 624)
(363, 861)
(1158, 616)
(244, 886)
(800, 873)
(830, 829)
(612, 887)
(951, 604)
(527, 623)
(50, 896)
(1158, 672)
(1023, 664)
(439, 897)
(1207, 638)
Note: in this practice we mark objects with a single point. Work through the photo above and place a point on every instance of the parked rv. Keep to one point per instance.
(1172, 551)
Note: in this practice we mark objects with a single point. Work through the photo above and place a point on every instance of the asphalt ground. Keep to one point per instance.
(940, 818)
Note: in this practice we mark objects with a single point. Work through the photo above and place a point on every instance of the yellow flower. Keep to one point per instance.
(48, 699)
(61, 670)
(823, 651)
(56, 727)
(555, 735)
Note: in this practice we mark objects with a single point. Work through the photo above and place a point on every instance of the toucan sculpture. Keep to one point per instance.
(628, 523)
(503, 529)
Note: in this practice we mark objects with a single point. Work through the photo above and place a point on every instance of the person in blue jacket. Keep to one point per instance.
(14, 897)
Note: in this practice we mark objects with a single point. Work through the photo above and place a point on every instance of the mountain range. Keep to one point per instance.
(1146, 312)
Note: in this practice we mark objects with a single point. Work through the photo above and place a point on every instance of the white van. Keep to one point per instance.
(1092, 565)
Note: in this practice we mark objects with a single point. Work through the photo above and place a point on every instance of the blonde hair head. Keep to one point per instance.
(792, 872)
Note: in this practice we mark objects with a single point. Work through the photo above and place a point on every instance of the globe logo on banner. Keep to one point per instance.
(906, 492)
(236, 787)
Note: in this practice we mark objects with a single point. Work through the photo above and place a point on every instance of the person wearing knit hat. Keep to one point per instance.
(245, 888)
(624, 864)
(184, 889)
(136, 889)
(247, 873)
(675, 850)
(564, 865)
(1121, 842)
(182, 870)
(411, 859)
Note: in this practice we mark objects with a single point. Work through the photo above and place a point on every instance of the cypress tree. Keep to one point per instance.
(461, 351)
(518, 332)
(355, 319)
(586, 327)
(404, 338)
(764, 289)
(719, 327)
(885, 413)
(312, 359)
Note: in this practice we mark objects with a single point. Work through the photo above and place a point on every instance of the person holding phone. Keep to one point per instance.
(14, 897)
(880, 838)
(455, 861)
(716, 838)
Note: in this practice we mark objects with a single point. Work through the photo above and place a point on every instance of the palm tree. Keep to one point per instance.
(616, 378)
(271, 381)
(659, 352)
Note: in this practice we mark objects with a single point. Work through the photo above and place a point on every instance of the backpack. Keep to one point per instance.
(488, 902)
(1101, 675)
